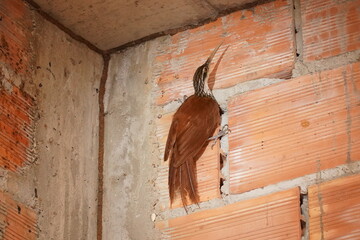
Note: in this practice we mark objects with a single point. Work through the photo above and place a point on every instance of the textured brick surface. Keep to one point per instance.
(17, 222)
(15, 35)
(294, 128)
(16, 128)
(276, 216)
(258, 46)
(334, 209)
(207, 169)
(330, 27)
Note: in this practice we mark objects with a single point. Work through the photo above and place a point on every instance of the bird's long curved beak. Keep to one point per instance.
(208, 61)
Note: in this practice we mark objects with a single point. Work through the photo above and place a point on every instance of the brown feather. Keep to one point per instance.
(193, 124)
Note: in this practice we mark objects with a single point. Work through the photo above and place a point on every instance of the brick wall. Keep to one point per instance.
(17, 114)
(16, 27)
(16, 129)
(17, 221)
(16, 106)
(288, 75)
(49, 86)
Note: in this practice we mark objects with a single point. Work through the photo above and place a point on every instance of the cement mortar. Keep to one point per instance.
(303, 68)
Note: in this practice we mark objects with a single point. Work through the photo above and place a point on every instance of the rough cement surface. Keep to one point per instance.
(61, 186)
(109, 24)
(130, 151)
(67, 135)
(303, 68)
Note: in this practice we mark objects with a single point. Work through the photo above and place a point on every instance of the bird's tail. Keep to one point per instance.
(183, 181)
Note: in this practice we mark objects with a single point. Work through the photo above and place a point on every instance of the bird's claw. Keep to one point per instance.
(224, 131)
(183, 99)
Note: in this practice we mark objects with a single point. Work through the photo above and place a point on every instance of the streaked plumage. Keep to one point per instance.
(193, 124)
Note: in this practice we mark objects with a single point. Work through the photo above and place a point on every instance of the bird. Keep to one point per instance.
(191, 130)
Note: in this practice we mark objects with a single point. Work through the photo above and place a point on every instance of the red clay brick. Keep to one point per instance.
(15, 35)
(17, 222)
(207, 169)
(276, 216)
(334, 209)
(294, 128)
(330, 27)
(16, 128)
(258, 46)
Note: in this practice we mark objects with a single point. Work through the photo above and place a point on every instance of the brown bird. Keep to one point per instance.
(192, 127)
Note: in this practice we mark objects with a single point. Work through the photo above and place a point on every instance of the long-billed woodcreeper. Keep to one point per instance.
(191, 129)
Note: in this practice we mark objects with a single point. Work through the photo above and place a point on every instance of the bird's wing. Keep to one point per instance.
(196, 121)
(171, 139)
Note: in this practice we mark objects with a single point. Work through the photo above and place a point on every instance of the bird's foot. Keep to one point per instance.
(182, 100)
(224, 131)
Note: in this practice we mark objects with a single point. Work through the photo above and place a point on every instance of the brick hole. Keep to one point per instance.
(221, 183)
(222, 160)
(19, 209)
(304, 214)
(222, 179)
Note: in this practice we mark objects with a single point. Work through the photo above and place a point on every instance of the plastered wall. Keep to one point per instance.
(130, 160)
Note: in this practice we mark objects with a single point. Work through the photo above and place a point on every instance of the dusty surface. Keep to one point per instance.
(109, 24)
(67, 135)
(130, 147)
(62, 185)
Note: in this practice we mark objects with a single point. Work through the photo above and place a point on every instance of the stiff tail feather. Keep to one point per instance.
(182, 180)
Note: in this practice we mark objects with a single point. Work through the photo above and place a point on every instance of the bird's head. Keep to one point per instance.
(201, 76)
